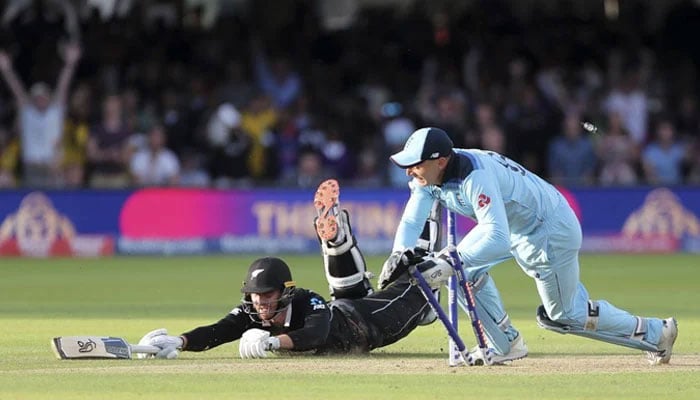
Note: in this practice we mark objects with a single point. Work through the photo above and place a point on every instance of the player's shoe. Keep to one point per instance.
(327, 209)
(518, 350)
(669, 333)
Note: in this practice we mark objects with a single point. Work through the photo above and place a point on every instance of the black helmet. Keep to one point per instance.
(267, 274)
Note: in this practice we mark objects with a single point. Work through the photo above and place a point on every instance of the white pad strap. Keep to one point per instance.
(479, 282)
(349, 280)
(504, 324)
(476, 286)
(431, 243)
(592, 317)
(337, 250)
(640, 330)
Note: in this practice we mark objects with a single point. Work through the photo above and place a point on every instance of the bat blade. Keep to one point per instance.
(96, 347)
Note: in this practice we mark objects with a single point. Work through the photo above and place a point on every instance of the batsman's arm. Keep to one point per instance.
(227, 329)
(286, 343)
(317, 326)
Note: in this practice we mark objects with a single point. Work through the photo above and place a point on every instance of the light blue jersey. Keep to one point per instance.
(508, 202)
(519, 215)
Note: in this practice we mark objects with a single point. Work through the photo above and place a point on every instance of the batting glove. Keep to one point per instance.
(164, 341)
(255, 343)
(160, 338)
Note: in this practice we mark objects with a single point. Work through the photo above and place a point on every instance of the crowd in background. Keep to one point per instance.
(269, 94)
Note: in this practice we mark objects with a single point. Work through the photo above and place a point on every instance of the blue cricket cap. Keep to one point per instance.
(423, 144)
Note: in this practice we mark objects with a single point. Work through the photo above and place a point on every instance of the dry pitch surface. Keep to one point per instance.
(394, 364)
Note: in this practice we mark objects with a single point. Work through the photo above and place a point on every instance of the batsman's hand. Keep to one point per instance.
(255, 343)
(397, 263)
(169, 345)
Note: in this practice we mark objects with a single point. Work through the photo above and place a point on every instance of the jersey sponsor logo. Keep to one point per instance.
(484, 200)
(236, 311)
(317, 304)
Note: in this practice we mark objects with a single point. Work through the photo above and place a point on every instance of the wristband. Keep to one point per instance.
(273, 343)
(184, 342)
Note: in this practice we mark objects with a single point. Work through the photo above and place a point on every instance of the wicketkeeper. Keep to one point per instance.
(521, 216)
(275, 314)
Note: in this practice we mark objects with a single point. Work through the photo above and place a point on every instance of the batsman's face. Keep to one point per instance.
(429, 172)
(266, 303)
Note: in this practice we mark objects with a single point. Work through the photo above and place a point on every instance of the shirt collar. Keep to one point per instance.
(452, 170)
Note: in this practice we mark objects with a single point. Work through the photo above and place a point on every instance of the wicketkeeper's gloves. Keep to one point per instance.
(397, 264)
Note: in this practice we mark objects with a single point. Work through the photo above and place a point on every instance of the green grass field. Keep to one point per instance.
(127, 297)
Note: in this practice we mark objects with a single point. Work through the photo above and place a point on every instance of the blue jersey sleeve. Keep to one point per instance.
(415, 214)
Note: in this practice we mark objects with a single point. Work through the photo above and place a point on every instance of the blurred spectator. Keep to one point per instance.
(108, 147)
(309, 171)
(451, 114)
(434, 59)
(195, 111)
(376, 94)
(484, 119)
(276, 79)
(528, 124)
(156, 165)
(192, 173)
(694, 165)
(369, 173)
(9, 158)
(338, 158)
(76, 131)
(396, 128)
(617, 153)
(663, 158)
(288, 130)
(257, 120)
(687, 118)
(493, 138)
(176, 121)
(572, 160)
(236, 88)
(630, 100)
(41, 115)
(230, 147)
(440, 100)
(137, 116)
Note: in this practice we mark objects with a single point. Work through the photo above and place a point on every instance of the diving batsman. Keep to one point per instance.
(277, 315)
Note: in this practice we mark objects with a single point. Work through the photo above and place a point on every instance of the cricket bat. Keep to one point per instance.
(97, 347)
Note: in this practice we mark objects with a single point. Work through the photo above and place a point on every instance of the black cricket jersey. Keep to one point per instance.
(308, 323)
(339, 326)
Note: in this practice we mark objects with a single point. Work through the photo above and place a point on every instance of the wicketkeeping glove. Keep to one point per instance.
(397, 263)
(255, 343)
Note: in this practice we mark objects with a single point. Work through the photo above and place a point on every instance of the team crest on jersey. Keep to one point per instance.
(484, 200)
(317, 304)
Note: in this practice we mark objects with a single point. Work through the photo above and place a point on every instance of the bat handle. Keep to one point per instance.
(144, 348)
